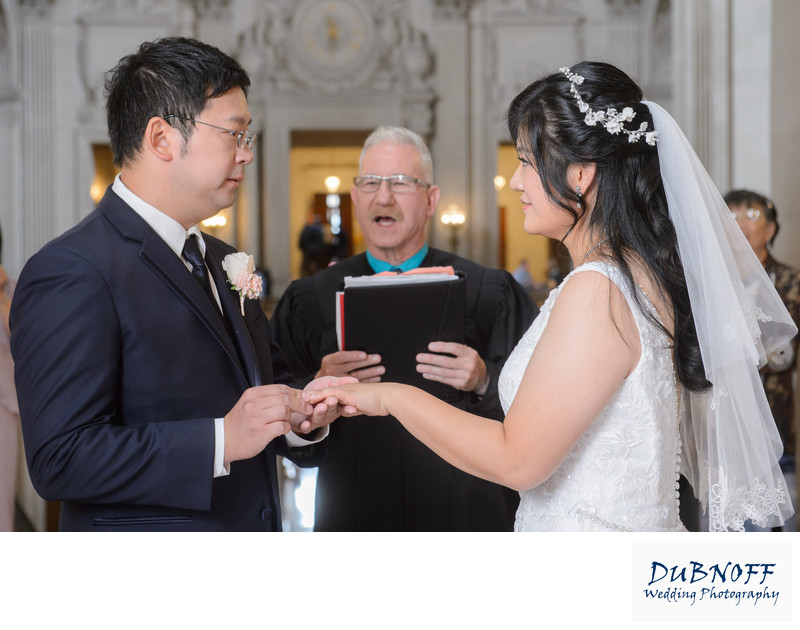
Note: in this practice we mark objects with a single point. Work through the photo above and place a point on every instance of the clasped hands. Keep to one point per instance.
(263, 413)
(266, 412)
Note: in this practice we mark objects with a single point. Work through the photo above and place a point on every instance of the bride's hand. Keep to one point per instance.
(354, 400)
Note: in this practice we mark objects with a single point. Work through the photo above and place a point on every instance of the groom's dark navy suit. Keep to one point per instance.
(122, 364)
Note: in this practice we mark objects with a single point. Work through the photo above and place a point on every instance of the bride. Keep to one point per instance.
(643, 363)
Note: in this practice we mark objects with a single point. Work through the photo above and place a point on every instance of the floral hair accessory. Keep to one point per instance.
(611, 119)
(242, 276)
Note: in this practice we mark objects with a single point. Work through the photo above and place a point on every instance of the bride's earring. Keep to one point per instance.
(578, 195)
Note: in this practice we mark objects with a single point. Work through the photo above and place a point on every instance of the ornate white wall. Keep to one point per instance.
(447, 68)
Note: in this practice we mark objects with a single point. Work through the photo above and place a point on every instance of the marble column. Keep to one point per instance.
(38, 164)
(702, 89)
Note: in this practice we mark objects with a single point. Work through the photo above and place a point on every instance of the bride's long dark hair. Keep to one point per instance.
(630, 209)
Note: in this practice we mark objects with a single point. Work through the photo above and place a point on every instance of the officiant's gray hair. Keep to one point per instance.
(401, 135)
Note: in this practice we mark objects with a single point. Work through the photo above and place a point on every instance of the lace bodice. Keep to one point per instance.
(622, 474)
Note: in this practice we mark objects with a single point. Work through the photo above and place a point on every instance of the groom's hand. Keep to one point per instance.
(261, 414)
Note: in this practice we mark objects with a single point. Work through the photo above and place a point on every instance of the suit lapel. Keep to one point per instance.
(172, 270)
(231, 307)
(157, 254)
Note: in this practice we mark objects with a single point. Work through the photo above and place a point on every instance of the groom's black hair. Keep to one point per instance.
(169, 76)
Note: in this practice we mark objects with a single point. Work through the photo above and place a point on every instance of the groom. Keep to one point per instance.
(149, 400)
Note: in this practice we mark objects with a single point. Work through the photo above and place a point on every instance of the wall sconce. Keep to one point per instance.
(333, 211)
(96, 192)
(217, 221)
(499, 183)
(454, 217)
(332, 184)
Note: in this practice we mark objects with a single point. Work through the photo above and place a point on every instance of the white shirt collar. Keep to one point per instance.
(165, 226)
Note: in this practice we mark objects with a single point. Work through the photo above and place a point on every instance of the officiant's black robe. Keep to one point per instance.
(377, 476)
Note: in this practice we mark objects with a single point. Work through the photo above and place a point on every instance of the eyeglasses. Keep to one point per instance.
(397, 183)
(243, 138)
(751, 214)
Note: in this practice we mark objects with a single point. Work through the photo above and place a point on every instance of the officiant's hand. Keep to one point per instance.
(325, 410)
(460, 366)
(260, 415)
(360, 365)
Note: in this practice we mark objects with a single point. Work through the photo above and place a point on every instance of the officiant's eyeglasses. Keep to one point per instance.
(751, 214)
(397, 183)
(243, 138)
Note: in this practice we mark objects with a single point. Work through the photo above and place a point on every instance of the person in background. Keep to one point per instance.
(757, 216)
(150, 395)
(375, 476)
(523, 275)
(554, 274)
(312, 245)
(9, 410)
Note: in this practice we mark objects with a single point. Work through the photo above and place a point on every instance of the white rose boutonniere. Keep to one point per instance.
(242, 276)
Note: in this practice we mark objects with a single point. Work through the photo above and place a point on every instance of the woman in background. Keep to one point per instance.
(758, 219)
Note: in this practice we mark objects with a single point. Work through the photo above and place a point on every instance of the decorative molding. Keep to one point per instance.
(38, 8)
(623, 7)
(545, 8)
(100, 23)
(332, 44)
(418, 116)
(659, 71)
(262, 48)
(397, 55)
(507, 77)
(212, 9)
(6, 76)
(119, 9)
(452, 9)
(91, 93)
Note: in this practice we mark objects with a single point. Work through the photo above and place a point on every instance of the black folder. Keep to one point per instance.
(398, 321)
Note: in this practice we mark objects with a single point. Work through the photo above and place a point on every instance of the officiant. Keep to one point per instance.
(375, 475)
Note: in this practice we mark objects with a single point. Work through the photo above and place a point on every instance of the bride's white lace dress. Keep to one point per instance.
(622, 475)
